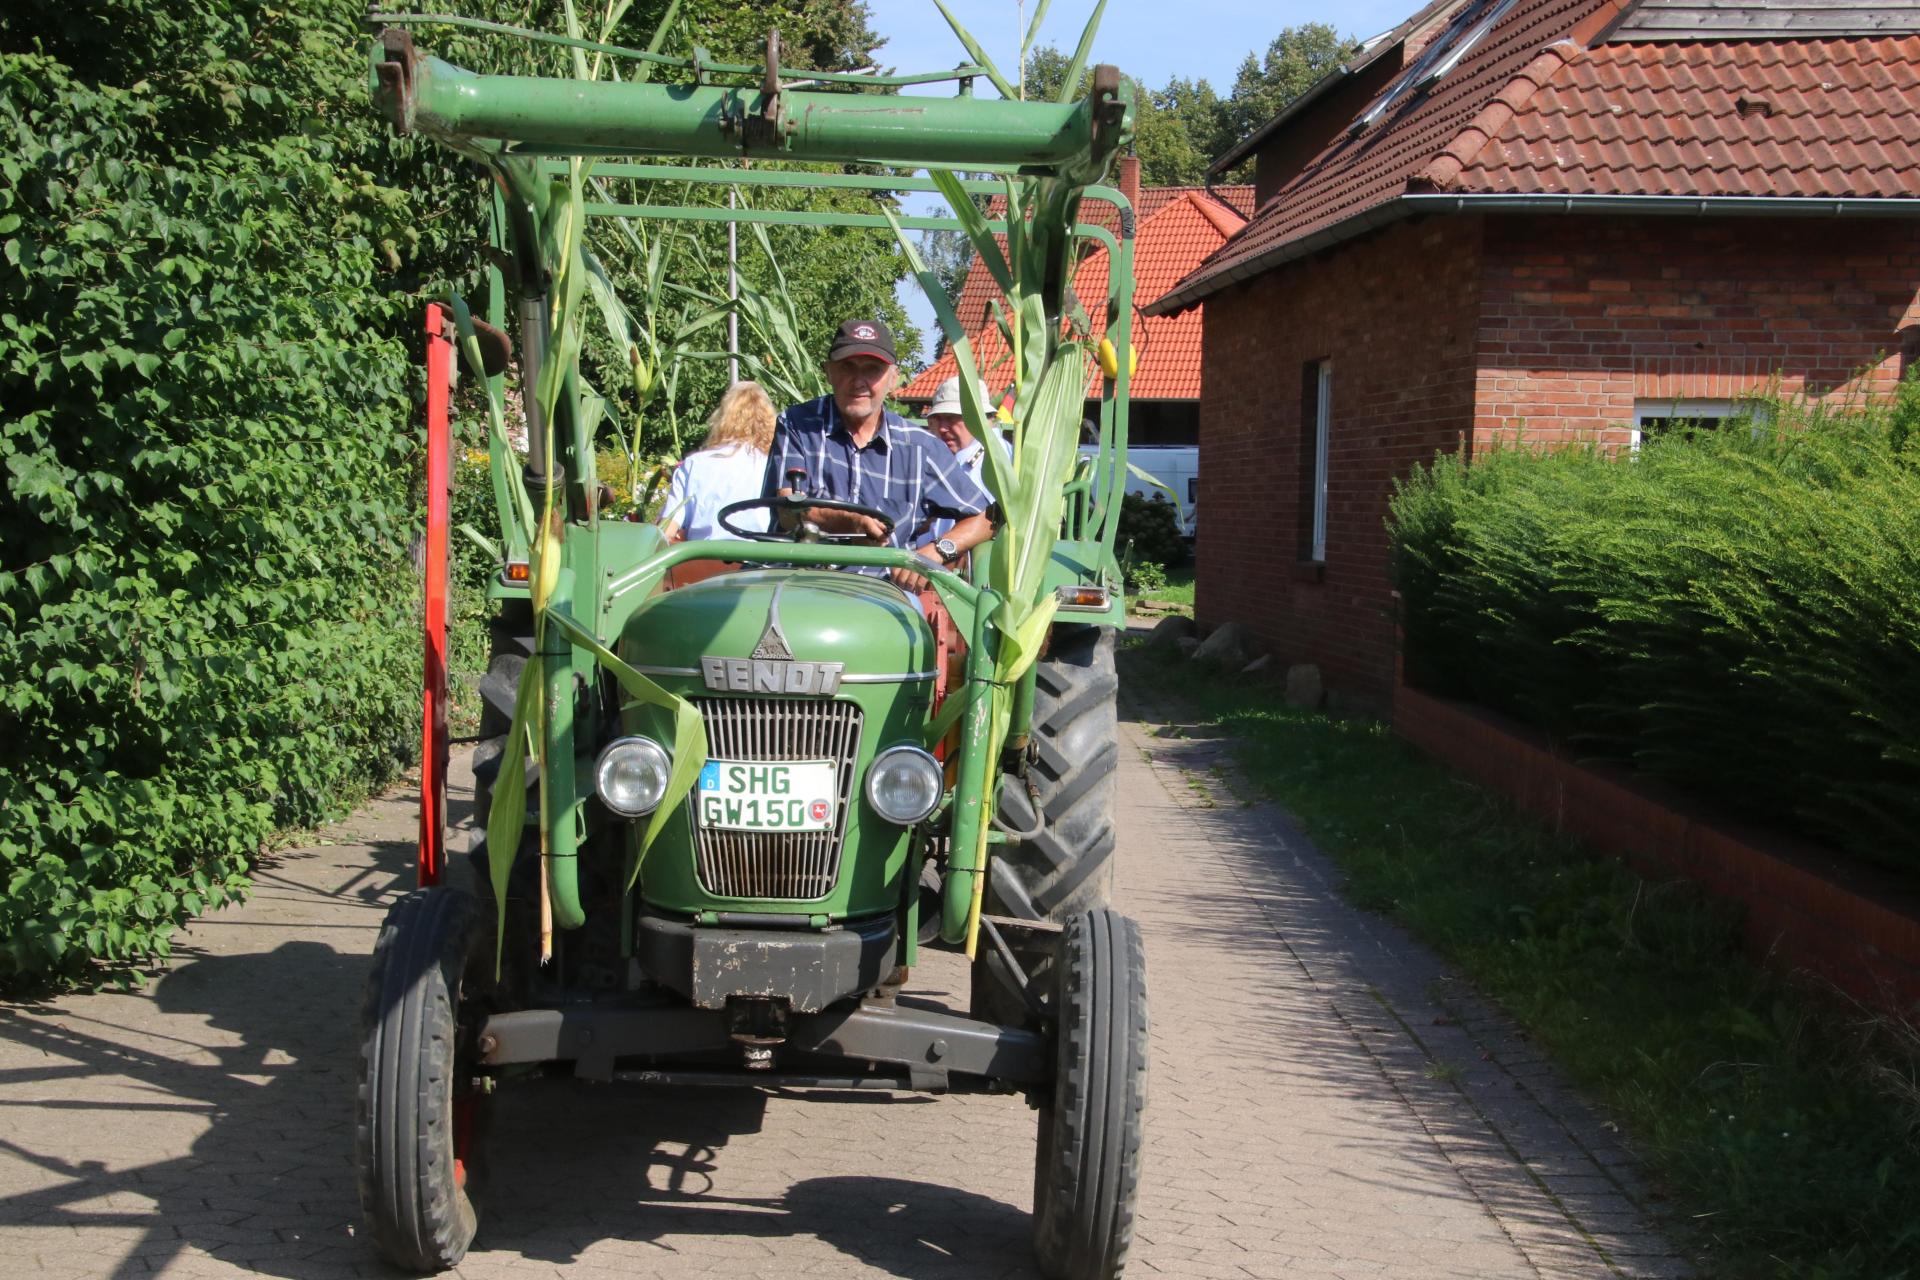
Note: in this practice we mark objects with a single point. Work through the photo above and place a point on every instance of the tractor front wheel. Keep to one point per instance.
(417, 1113)
(1087, 1168)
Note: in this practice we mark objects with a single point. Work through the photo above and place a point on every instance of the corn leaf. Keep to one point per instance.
(1070, 85)
(508, 817)
(689, 734)
(978, 54)
(1155, 481)
(496, 411)
(1033, 28)
(974, 223)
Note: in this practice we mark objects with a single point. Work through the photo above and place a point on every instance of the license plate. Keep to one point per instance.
(740, 795)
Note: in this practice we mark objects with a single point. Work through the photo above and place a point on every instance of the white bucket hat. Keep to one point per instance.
(946, 397)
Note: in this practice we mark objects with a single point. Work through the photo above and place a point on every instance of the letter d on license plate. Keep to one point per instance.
(741, 795)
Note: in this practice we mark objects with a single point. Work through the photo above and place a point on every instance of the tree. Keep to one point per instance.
(1296, 58)
(1046, 72)
(1179, 130)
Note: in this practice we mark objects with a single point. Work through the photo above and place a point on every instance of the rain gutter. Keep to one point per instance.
(1183, 297)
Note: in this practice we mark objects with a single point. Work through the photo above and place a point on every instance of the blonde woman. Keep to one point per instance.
(728, 467)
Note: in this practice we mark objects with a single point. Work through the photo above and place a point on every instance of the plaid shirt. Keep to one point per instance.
(904, 470)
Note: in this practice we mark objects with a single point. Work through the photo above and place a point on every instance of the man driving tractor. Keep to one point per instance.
(847, 447)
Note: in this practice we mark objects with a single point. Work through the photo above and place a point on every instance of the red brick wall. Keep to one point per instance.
(1446, 328)
(1582, 315)
(1801, 907)
(1396, 313)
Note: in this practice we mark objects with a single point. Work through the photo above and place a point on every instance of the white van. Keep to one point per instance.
(1177, 466)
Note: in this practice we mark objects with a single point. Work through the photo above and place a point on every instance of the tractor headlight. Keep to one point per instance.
(631, 775)
(904, 785)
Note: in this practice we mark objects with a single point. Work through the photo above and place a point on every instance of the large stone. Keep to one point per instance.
(1168, 631)
(1186, 645)
(1258, 666)
(1304, 688)
(1227, 646)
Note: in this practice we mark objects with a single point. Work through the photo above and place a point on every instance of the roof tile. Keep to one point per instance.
(1812, 117)
(1820, 118)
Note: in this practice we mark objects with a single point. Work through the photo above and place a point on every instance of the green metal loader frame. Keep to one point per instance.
(614, 121)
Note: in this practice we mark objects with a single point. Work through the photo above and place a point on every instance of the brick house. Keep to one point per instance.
(1564, 218)
(1175, 229)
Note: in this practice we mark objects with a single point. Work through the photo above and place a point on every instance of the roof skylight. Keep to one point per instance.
(1442, 54)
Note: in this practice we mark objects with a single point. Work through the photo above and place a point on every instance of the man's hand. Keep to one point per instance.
(909, 581)
(831, 520)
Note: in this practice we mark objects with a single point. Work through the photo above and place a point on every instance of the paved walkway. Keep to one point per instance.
(1324, 1103)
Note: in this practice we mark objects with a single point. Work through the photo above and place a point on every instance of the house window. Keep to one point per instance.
(1316, 421)
(1442, 54)
(1655, 418)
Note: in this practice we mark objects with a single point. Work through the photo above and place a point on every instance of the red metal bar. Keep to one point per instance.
(433, 747)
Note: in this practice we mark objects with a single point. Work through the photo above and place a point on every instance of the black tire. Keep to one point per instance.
(1067, 866)
(1087, 1167)
(417, 1127)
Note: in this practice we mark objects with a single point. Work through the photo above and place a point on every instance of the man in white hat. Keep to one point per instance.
(946, 420)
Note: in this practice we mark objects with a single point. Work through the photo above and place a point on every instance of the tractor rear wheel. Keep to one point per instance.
(1066, 866)
(417, 1114)
(1087, 1167)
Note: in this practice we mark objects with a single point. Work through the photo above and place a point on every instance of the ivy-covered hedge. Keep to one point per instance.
(207, 602)
(1733, 610)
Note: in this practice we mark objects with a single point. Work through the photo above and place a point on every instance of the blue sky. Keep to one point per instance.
(1149, 39)
(1152, 40)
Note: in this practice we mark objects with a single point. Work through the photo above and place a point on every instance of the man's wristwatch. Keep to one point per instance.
(948, 552)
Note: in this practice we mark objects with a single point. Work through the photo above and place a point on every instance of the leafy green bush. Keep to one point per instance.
(207, 603)
(1730, 610)
(1150, 532)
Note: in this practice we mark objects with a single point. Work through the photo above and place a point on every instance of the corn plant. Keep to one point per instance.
(1049, 365)
(782, 362)
(576, 275)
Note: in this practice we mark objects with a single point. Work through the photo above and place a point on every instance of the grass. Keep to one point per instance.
(1781, 1132)
(1179, 589)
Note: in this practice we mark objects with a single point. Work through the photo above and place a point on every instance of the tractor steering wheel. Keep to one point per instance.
(806, 531)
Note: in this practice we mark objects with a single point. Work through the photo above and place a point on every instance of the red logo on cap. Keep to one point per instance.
(819, 810)
(865, 332)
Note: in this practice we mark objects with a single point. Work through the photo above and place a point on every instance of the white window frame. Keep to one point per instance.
(1693, 408)
(1322, 434)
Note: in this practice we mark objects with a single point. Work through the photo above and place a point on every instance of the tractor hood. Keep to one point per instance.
(749, 631)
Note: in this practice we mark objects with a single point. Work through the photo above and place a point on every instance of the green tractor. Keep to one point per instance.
(723, 819)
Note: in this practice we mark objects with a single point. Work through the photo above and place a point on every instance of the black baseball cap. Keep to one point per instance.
(863, 338)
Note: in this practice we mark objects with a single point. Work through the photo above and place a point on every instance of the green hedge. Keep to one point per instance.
(1735, 611)
(207, 604)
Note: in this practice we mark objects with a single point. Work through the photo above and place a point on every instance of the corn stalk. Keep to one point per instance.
(576, 276)
(1048, 368)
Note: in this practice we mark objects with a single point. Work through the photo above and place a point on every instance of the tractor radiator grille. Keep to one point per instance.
(795, 865)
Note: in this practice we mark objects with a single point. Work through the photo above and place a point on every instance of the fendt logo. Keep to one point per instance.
(761, 675)
(865, 332)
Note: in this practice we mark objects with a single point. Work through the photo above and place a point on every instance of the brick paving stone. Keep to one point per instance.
(201, 1128)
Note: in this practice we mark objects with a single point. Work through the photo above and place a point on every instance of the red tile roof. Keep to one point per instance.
(1179, 227)
(1353, 174)
(1529, 111)
(1236, 196)
(1825, 118)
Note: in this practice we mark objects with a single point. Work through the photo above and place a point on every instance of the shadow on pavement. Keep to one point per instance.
(573, 1165)
(267, 1185)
